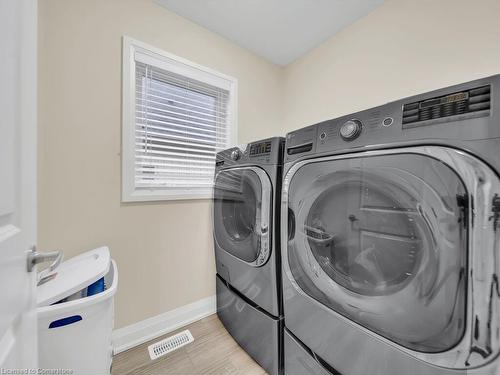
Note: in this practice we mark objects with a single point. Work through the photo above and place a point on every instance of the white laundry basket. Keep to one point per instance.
(76, 334)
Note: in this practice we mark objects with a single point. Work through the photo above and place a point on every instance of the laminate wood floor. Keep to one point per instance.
(213, 352)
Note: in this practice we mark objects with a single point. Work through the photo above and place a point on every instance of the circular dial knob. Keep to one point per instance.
(235, 154)
(351, 130)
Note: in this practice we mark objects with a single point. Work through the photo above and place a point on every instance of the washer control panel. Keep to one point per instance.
(452, 115)
(375, 126)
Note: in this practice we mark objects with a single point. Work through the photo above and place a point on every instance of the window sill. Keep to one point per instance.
(160, 196)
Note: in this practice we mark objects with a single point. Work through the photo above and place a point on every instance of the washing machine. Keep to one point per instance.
(246, 221)
(391, 238)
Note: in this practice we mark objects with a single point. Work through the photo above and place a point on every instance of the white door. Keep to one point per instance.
(18, 339)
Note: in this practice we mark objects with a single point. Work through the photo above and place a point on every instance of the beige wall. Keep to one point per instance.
(163, 250)
(402, 48)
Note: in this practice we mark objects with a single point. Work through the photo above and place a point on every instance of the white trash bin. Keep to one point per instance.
(74, 330)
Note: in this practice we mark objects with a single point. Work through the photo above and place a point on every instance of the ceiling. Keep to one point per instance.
(278, 30)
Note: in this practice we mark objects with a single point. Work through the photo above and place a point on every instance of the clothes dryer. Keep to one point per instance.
(246, 222)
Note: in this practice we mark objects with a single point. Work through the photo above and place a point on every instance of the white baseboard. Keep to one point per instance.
(148, 329)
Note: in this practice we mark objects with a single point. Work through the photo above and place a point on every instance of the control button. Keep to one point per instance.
(388, 121)
(322, 136)
(351, 130)
(235, 154)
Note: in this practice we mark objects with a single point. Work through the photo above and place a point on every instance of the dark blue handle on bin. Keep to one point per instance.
(65, 321)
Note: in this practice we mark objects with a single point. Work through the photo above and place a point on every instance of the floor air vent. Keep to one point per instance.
(476, 102)
(170, 344)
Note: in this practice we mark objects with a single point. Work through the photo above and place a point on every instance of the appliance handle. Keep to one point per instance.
(265, 215)
(291, 224)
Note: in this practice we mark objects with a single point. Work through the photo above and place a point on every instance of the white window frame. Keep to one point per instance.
(179, 65)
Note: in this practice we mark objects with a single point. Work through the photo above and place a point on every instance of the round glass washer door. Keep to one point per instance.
(241, 212)
(382, 240)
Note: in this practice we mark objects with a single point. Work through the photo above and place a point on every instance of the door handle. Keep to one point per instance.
(291, 224)
(35, 257)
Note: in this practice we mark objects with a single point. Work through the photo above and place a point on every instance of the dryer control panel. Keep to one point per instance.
(260, 148)
(267, 151)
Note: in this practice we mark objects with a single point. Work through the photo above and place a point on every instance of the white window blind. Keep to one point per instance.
(182, 117)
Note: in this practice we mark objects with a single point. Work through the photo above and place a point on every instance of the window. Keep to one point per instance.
(176, 116)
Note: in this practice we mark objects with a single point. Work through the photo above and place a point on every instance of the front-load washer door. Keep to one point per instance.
(401, 244)
(382, 240)
(242, 213)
